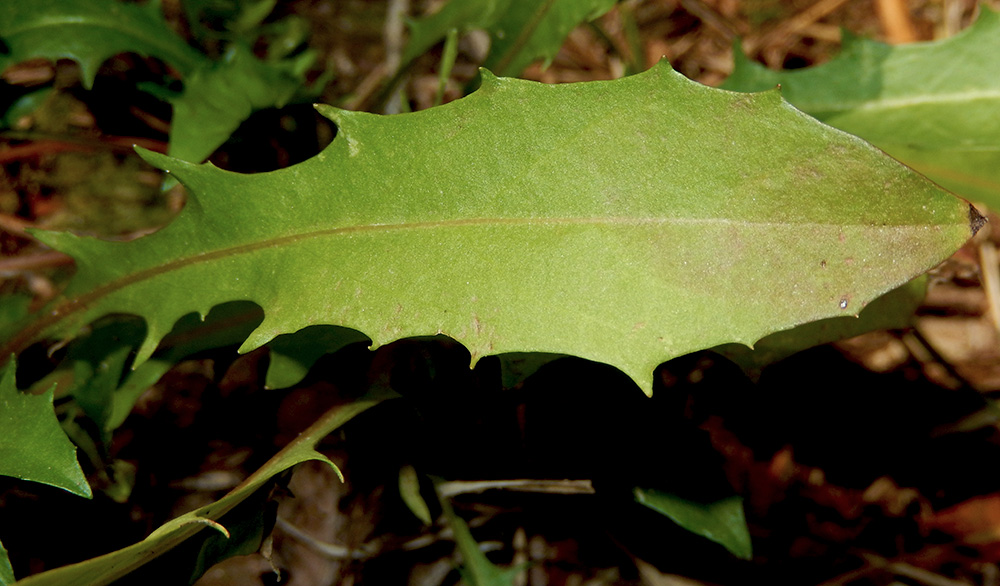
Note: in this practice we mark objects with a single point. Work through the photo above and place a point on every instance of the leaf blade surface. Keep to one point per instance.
(626, 222)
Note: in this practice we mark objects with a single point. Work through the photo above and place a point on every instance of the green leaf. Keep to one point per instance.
(409, 491)
(248, 525)
(110, 567)
(476, 569)
(521, 31)
(97, 361)
(24, 106)
(32, 445)
(13, 311)
(625, 222)
(931, 105)
(721, 521)
(89, 32)
(96, 396)
(462, 16)
(532, 30)
(243, 17)
(293, 354)
(895, 309)
(218, 97)
(225, 325)
(6, 571)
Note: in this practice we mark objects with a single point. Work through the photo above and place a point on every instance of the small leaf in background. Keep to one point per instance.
(461, 16)
(107, 568)
(218, 97)
(89, 32)
(515, 367)
(95, 369)
(6, 572)
(521, 31)
(243, 21)
(409, 491)
(532, 30)
(24, 106)
(33, 445)
(96, 363)
(247, 524)
(477, 569)
(292, 355)
(931, 105)
(96, 395)
(242, 17)
(647, 206)
(14, 309)
(225, 325)
(721, 521)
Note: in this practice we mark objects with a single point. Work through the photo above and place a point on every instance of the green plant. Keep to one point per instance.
(218, 95)
(917, 102)
(626, 222)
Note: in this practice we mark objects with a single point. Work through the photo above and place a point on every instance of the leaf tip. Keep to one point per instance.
(976, 220)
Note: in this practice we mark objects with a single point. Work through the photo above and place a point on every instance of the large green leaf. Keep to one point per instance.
(33, 445)
(89, 32)
(521, 31)
(932, 105)
(626, 222)
(112, 566)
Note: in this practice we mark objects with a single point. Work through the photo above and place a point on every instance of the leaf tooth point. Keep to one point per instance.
(145, 350)
(487, 78)
(976, 219)
(336, 469)
(334, 114)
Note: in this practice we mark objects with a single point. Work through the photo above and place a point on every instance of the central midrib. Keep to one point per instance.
(82, 302)
(278, 242)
